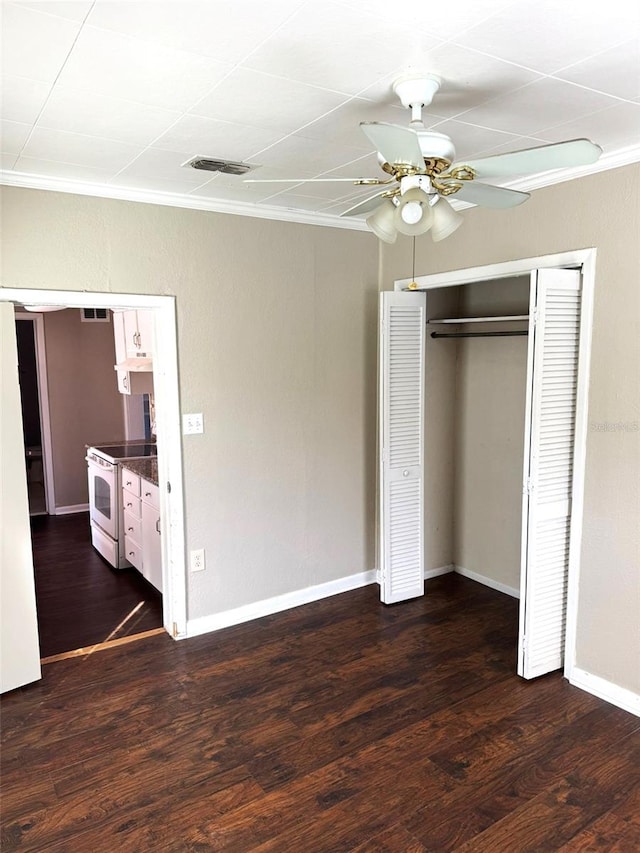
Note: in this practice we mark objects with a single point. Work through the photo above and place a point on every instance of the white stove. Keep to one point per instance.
(105, 497)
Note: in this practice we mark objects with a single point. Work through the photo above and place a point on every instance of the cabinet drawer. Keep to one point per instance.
(131, 504)
(131, 482)
(133, 552)
(149, 493)
(132, 527)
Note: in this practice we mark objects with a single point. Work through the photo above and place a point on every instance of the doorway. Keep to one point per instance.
(168, 422)
(552, 519)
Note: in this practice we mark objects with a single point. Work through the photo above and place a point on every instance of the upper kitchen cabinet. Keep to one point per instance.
(137, 333)
(133, 336)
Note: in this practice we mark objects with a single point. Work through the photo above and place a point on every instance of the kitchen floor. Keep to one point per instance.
(81, 599)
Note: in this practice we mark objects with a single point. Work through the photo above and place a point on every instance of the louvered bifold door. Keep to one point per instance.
(553, 390)
(402, 347)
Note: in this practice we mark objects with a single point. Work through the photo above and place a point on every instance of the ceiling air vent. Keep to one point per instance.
(210, 164)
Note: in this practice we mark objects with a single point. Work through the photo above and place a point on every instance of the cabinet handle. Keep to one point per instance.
(125, 380)
(131, 553)
(129, 504)
(128, 482)
(129, 528)
(158, 525)
(147, 494)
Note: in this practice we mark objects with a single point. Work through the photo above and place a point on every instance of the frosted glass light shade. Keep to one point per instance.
(382, 222)
(414, 215)
(445, 220)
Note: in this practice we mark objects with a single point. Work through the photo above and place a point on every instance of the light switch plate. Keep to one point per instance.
(192, 424)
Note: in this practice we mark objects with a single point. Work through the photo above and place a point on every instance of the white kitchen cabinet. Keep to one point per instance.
(133, 336)
(134, 381)
(137, 328)
(151, 548)
(141, 513)
(131, 506)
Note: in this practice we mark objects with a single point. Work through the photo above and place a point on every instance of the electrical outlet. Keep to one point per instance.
(192, 424)
(197, 560)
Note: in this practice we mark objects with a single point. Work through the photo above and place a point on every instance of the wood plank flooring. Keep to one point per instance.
(81, 599)
(341, 726)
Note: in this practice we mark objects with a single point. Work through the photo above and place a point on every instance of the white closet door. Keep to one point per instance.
(402, 349)
(552, 388)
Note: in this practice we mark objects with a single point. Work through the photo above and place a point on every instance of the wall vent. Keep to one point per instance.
(211, 164)
(94, 315)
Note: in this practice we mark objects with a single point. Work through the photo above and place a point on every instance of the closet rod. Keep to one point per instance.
(478, 334)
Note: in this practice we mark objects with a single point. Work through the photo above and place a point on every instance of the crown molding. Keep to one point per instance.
(623, 157)
(214, 205)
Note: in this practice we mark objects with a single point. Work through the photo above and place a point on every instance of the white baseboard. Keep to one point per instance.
(237, 615)
(603, 689)
(69, 510)
(483, 579)
(440, 570)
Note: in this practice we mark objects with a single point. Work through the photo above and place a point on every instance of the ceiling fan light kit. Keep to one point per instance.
(423, 170)
(383, 222)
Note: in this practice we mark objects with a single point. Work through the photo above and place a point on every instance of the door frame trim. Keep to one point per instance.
(167, 392)
(43, 405)
(585, 259)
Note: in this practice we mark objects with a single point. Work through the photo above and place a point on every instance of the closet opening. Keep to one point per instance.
(483, 418)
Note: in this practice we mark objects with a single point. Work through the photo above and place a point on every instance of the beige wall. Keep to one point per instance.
(489, 433)
(602, 211)
(84, 403)
(277, 347)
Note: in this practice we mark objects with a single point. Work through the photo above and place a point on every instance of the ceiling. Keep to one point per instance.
(111, 98)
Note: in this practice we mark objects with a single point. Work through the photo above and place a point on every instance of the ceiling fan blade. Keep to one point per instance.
(365, 206)
(395, 143)
(363, 182)
(574, 152)
(487, 195)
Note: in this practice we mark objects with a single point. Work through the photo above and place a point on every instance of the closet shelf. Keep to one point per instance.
(456, 320)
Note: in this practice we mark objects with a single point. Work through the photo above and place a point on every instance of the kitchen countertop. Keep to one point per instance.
(146, 468)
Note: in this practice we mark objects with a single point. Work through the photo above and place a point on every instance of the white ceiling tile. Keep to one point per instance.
(74, 10)
(615, 71)
(614, 128)
(527, 110)
(53, 169)
(260, 100)
(217, 28)
(298, 152)
(469, 78)
(7, 161)
(153, 183)
(35, 45)
(247, 193)
(214, 138)
(57, 145)
(100, 115)
(166, 166)
(444, 22)
(547, 35)
(318, 45)
(121, 67)
(341, 128)
(366, 166)
(13, 136)
(470, 140)
(22, 99)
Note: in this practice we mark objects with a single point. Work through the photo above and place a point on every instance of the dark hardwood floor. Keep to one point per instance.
(341, 726)
(81, 599)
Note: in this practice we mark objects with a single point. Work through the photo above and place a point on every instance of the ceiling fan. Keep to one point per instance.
(422, 171)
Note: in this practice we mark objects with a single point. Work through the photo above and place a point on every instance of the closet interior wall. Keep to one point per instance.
(474, 442)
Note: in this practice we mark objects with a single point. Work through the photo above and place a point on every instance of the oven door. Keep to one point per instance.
(102, 497)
